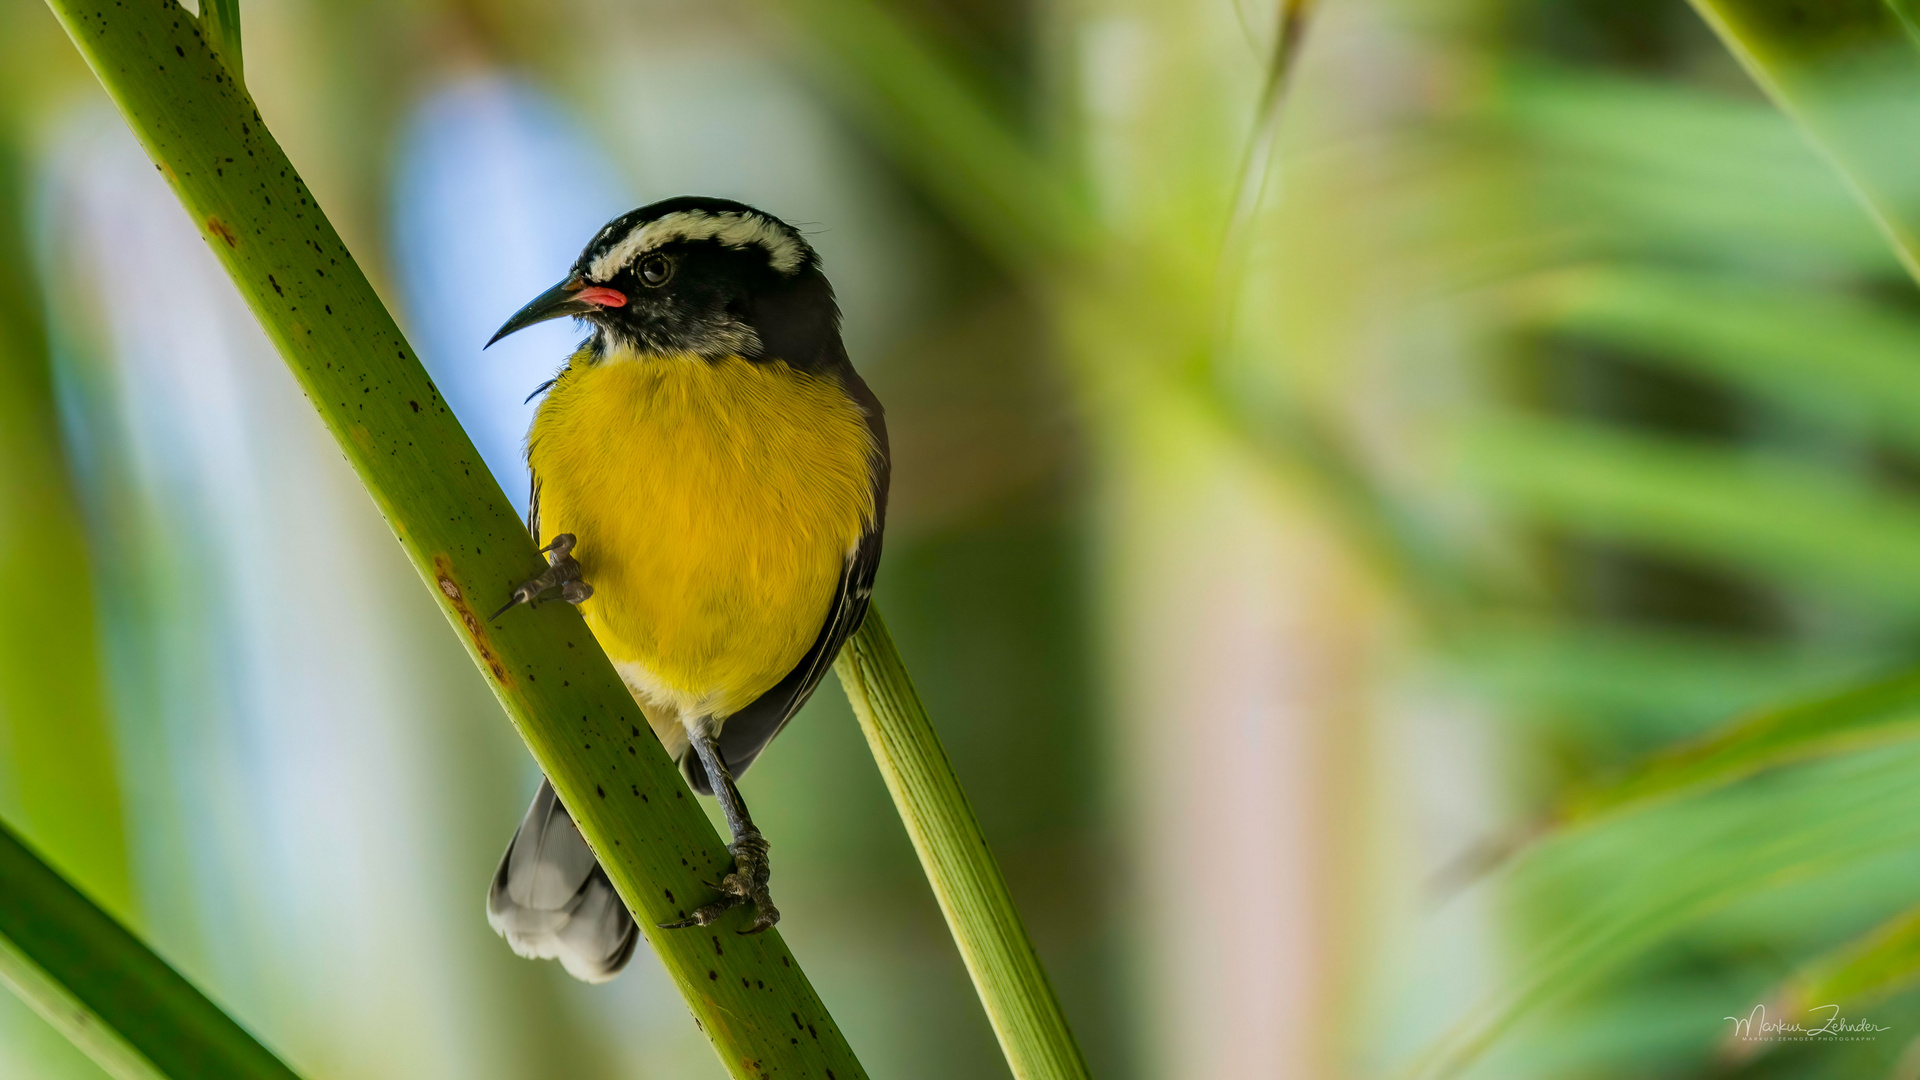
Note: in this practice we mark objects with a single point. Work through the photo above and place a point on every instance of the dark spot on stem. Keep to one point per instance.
(220, 229)
(476, 631)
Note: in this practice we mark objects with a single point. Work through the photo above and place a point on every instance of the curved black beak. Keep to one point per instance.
(561, 300)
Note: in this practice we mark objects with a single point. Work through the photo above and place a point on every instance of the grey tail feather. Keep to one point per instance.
(552, 901)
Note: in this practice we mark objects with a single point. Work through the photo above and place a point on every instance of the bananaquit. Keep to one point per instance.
(710, 484)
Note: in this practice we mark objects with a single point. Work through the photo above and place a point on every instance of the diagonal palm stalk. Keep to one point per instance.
(973, 896)
(204, 134)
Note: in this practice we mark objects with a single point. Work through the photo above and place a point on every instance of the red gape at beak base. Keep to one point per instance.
(603, 296)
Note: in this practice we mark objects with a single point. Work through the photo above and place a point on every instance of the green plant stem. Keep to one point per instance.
(95, 982)
(1020, 1003)
(220, 19)
(206, 137)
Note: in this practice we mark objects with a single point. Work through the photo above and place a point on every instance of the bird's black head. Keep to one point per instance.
(698, 276)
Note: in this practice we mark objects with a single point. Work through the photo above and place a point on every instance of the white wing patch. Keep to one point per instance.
(784, 251)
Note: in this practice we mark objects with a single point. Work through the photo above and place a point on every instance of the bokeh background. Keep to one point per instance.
(1277, 528)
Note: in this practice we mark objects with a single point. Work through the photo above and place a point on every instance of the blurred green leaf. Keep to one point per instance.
(135, 1016)
(1879, 963)
(1648, 173)
(1856, 719)
(1640, 681)
(1848, 362)
(1766, 513)
(1631, 884)
(937, 124)
(1848, 72)
(58, 758)
(1635, 166)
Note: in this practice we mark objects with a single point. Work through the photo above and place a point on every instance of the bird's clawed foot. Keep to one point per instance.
(562, 573)
(746, 885)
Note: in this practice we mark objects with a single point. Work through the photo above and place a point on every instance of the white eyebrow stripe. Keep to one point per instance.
(732, 229)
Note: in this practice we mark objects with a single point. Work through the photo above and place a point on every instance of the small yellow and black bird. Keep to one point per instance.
(710, 482)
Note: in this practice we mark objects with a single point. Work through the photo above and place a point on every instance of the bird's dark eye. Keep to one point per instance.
(655, 270)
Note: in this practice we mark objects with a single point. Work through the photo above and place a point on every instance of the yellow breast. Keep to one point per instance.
(715, 504)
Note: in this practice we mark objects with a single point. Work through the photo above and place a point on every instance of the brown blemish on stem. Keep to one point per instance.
(476, 630)
(223, 231)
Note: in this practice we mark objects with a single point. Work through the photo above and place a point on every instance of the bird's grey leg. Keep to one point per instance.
(751, 870)
(562, 573)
